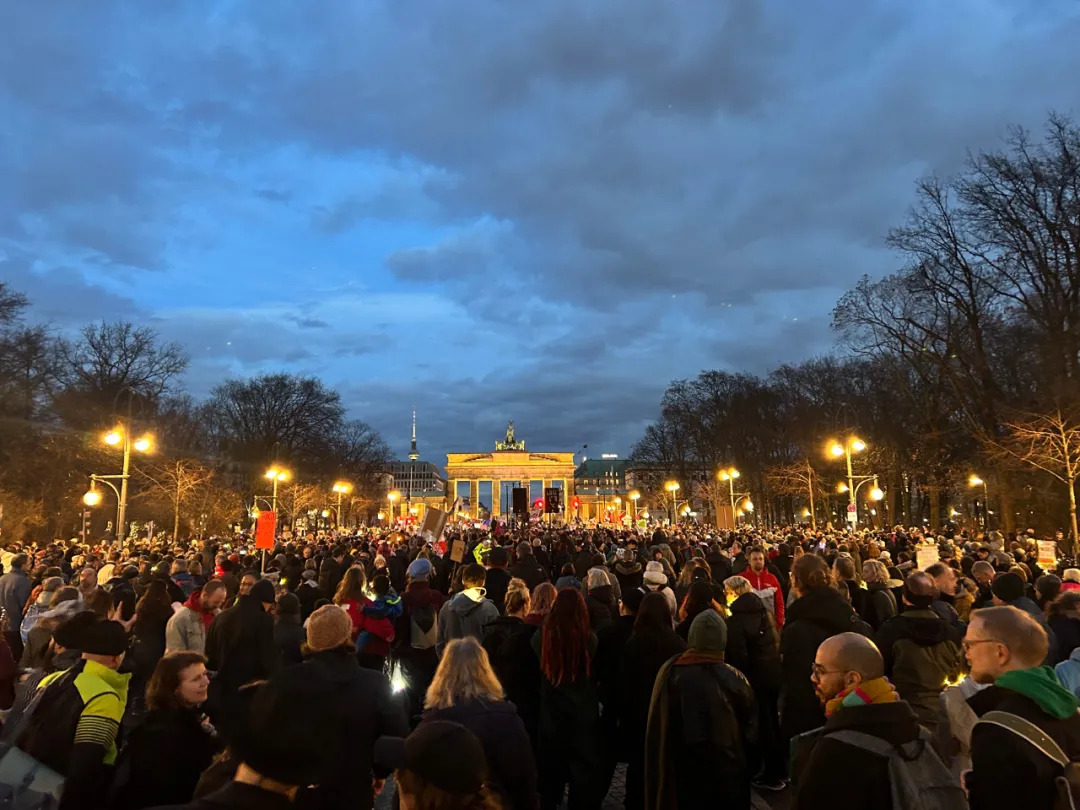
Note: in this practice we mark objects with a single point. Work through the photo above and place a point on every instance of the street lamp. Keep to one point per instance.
(277, 475)
(672, 487)
(392, 496)
(634, 496)
(853, 444)
(122, 436)
(729, 475)
(341, 488)
(92, 498)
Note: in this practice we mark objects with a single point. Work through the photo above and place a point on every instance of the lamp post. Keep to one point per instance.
(729, 475)
(853, 444)
(672, 487)
(276, 474)
(976, 481)
(634, 496)
(341, 488)
(391, 497)
(122, 436)
(876, 492)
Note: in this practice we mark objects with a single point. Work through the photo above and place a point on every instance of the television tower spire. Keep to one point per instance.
(413, 454)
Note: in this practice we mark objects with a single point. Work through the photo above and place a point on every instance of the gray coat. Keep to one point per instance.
(14, 592)
(462, 617)
(185, 632)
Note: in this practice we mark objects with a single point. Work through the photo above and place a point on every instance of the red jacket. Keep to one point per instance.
(767, 587)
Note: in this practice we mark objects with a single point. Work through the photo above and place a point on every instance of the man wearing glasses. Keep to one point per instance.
(1012, 754)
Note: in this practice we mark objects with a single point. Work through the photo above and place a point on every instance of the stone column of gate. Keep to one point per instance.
(496, 497)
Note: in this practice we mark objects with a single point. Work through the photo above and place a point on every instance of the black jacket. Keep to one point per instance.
(702, 733)
(606, 673)
(360, 709)
(1067, 632)
(921, 652)
(629, 575)
(815, 616)
(289, 634)
(240, 648)
(508, 641)
(642, 658)
(496, 583)
(163, 759)
(878, 605)
(602, 608)
(330, 576)
(1006, 771)
(1053, 654)
(237, 796)
(835, 774)
(753, 645)
(511, 765)
(528, 569)
(309, 594)
(720, 566)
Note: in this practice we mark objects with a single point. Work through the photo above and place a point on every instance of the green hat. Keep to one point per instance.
(708, 633)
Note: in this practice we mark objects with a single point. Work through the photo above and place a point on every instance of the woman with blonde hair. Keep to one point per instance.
(466, 691)
(879, 602)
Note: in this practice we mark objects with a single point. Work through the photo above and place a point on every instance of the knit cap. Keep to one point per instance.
(328, 627)
(708, 633)
(1008, 586)
(654, 573)
(418, 569)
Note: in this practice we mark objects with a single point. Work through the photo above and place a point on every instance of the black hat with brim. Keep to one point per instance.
(446, 755)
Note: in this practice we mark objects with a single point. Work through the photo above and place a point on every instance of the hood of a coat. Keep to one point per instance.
(605, 594)
(627, 568)
(824, 607)
(926, 627)
(462, 605)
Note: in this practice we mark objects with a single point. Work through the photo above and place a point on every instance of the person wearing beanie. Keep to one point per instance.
(89, 699)
(1010, 589)
(656, 580)
(363, 710)
(702, 720)
(240, 645)
(309, 592)
(416, 632)
(920, 649)
(441, 761)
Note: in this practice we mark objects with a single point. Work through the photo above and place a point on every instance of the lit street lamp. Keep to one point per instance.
(634, 497)
(119, 436)
(276, 474)
(852, 445)
(976, 481)
(672, 487)
(392, 496)
(729, 475)
(341, 488)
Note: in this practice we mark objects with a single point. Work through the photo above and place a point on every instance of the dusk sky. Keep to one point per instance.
(492, 210)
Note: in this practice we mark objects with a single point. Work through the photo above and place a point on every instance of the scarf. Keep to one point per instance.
(878, 690)
(691, 657)
(1041, 684)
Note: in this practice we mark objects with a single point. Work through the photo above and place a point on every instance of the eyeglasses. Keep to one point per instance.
(967, 645)
(817, 672)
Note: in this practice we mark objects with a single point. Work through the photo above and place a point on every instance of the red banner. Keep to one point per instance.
(264, 530)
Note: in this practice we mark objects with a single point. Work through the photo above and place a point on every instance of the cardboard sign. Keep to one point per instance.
(434, 522)
(457, 551)
(925, 556)
(1047, 553)
(264, 530)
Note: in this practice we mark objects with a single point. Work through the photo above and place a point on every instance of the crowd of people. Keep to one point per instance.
(710, 665)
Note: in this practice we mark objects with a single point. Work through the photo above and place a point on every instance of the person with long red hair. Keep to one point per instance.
(568, 743)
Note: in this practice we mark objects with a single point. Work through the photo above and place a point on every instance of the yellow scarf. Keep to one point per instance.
(878, 690)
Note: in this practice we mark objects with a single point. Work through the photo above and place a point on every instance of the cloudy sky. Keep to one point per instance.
(492, 210)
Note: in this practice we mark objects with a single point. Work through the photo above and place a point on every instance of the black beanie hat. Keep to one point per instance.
(1008, 587)
(88, 634)
(264, 590)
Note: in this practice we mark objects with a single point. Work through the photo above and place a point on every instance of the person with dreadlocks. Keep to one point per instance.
(568, 738)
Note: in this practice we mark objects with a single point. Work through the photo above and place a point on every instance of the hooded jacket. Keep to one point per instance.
(465, 616)
(921, 652)
(753, 644)
(767, 587)
(508, 641)
(628, 574)
(527, 568)
(240, 647)
(602, 607)
(816, 615)
(511, 764)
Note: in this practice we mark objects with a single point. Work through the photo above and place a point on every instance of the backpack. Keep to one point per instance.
(423, 627)
(1067, 783)
(918, 779)
(33, 614)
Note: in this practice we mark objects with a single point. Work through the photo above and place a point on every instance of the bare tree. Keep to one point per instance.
(1050, 443)
(176, 482)
(800, 480)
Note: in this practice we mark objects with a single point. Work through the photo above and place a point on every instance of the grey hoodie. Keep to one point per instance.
(464, 616)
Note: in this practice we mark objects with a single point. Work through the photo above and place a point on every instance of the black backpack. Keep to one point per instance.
(1067, 783)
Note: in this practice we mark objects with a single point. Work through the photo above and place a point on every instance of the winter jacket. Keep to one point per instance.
(701, 738)
(123, 594)
(628, 575)
(865, 782)
(163, 758)
(186, 630)
(377, 624)
(417, 594)
(1006, 771)
(330, 576)
(528, 569)
(496, 583)
(720, 566)
(607, 675)
(1068, 672)
(185, 582)
(36, 649)
(1066, 632)
(360, 711)
(511, 765)
(815, 616)
(508, 641)
(14, 592)
(753, 644)
(289, 636)
(767, 587)
(878, 605)
(602, 607)
(921, 652)
(308, 592)
(464, 616)
(240, 648)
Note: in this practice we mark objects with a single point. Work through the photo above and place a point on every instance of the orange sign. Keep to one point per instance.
(264, 530)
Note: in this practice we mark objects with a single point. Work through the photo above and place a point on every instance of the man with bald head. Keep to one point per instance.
(849, 678)
(1005, 647)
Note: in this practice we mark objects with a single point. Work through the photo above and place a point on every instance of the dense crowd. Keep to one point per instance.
(711, 665)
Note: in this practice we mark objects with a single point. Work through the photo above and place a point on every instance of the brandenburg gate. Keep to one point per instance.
(486, 478)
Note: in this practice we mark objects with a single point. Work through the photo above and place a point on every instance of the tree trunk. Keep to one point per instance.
(1072, 514)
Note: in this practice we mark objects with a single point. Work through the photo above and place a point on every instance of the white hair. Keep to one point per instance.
(597, 578)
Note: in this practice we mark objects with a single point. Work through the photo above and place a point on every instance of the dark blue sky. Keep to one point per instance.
(486, 209)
